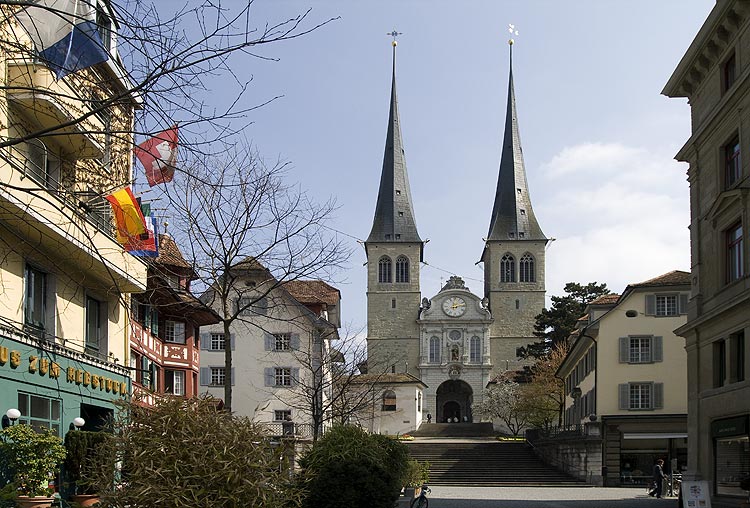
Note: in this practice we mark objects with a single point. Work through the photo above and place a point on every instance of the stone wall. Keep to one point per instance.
(576, 451)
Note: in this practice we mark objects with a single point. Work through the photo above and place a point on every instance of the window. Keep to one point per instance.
(39, 412)
(247, 306)
(393, 303)
(402, 269)
(641, 395)
(728, 73)
(526, 268)
(283, 376)
(720, 362)
(732, 464)
(734, 259)
(94, 333)
(475, 355)
(282, 415)
(217, 342)
(641, 349)
(173, 281)
(104, 27)
(282, 341)
(384, 270)
(35, 310)
(174, 382)
(732, 166)
(389, 400)
(507, 268)
(666, 305)
(434, 350)
(217, 376)
(174, 331)
(739, 356)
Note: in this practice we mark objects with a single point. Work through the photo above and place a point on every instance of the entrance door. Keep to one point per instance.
(454, 398)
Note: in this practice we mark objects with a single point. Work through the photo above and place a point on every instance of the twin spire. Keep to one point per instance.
(512, 216)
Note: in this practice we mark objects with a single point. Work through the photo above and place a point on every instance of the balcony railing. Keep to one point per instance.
(298, 430)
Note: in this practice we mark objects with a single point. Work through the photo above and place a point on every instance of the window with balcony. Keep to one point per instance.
(174, 382)
(734, 258)
(732, 162)
(174, 331)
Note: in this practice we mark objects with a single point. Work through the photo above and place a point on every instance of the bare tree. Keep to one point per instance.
(247, 233)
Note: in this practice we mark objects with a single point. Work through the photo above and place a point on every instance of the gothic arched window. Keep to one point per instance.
(384, 270)
(402, 269)
(526, 268)
(389, 400)
(508, 268)
(434, 350)
(475, 346)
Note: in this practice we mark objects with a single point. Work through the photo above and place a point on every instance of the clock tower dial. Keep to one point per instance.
(454, 306)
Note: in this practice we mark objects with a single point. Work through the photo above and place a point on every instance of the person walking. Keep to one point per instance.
(658, 479)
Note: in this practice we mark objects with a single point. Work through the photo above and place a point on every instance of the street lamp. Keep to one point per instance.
(10, 417)
(77, 423)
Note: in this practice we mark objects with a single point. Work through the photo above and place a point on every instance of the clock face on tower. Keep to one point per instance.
(454, 306)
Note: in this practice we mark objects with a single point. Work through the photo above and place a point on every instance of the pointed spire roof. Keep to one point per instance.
(394, 214)
(512, 215)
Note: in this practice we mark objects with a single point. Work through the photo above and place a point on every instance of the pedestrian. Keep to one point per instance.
(429, 418)
(658, 479)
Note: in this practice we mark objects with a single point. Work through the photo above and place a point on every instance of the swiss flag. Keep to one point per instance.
(159, 156)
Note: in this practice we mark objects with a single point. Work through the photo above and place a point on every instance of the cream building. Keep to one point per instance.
(714, 75)
(627, 369)
(397, 403)
(64, 278)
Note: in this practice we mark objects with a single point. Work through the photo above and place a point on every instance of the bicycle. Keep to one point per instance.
(421, 500)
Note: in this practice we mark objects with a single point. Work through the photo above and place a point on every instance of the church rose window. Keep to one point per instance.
(384, 270)
(526, 268)
(508, 268)
(402, 269)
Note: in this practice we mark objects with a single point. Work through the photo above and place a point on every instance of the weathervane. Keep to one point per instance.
(513, 31)
(394, 34)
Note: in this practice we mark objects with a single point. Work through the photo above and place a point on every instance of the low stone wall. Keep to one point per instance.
(577, 451)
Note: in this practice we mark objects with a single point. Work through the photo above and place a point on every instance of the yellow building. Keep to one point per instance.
(64, 279)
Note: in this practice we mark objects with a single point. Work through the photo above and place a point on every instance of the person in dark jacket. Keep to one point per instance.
(658, 479)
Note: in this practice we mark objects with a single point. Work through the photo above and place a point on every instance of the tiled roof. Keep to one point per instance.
(585, 317)
(169, 253)
(313, 291)
(609, 299)
(673, 278)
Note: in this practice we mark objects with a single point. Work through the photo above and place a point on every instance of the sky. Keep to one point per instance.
(598, 137)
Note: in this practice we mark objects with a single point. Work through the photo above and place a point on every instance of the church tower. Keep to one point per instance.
(394, 252)
(514, 250)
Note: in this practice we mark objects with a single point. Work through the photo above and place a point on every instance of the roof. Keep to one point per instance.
(387, 379)
(609, 299)
(512, 214)
(394, 214)
(313, 291)
(169, 253)
(673, 278)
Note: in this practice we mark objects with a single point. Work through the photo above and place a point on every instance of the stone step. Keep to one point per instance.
(454, 430)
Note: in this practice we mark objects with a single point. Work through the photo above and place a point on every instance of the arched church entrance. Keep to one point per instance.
(454, 398)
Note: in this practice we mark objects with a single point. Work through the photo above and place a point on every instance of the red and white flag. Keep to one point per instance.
(159, 156)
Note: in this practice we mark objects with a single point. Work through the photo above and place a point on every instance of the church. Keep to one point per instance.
(452, 343)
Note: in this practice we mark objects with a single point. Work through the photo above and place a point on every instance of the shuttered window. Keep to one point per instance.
(641, 349)
(636, 396)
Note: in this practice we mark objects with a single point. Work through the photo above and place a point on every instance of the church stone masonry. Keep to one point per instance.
(454, 341)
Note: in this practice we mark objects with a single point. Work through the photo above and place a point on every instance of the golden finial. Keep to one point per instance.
(513, 31)
(394, 34)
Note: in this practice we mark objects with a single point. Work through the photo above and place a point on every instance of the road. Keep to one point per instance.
(548, 497)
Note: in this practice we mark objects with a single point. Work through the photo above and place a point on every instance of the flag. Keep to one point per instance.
(65, 34)
(159, 156)
(145, 245)
(128, 215)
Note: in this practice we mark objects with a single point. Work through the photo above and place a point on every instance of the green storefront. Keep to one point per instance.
(51, 385)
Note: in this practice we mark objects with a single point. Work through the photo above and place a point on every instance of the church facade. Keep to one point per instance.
(455, 341)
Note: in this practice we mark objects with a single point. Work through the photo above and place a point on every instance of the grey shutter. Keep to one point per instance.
(269, 341)
(650, 305)
(205, 341)
(624, 396)
(231, 341)
(624, 349)
(294, 342)
(205, 376)
(683, 303)
(657, 349)
(232, 376)
(658, 395)
(295, 376)
(268, 376)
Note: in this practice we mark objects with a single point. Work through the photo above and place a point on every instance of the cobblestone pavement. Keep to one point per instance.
(544, 497)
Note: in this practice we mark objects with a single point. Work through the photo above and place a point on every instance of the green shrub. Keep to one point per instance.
(33, 456)
(417, 473)
(349, 467)
(84, 451)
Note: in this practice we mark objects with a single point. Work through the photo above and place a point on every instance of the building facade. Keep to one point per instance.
(64, 279)
(713, 76)
(627, 370)
(452, 349)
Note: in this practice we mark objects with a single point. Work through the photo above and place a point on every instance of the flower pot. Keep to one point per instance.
(85, 499)
(34, 502)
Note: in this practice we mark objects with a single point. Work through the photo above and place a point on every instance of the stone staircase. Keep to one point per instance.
(455, 430)
(486, 463)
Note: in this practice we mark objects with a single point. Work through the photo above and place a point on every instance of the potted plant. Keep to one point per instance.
(34, 457)
(417, 474)
(82, 453)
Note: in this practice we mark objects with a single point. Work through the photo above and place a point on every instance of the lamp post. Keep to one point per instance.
(10, 417)
(77, 423)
